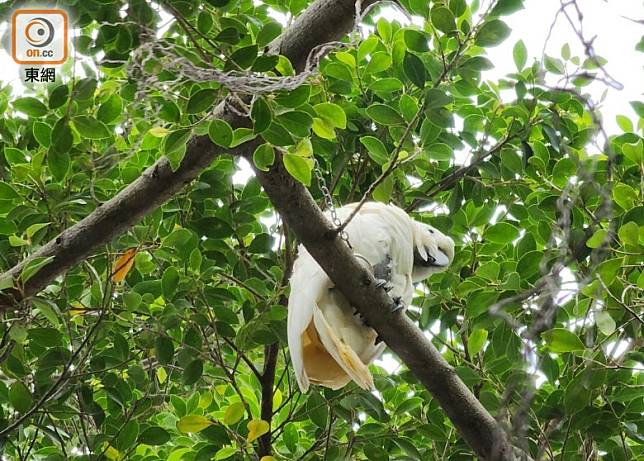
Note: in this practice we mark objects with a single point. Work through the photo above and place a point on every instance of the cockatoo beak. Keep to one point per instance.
(431, 258)
(440, 258)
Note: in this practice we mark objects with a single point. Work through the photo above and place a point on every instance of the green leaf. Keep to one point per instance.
(323, 128)
(624, 123)
(529, 263)
(20, 397)
(501, 232)
(85, 89)
(170, 282)
(7, 227)
(408, 107)
(268, 33)
(376, 149)
(379, 62)
(416, 40)
(243, 57)
(457, 7)
(61, 136)
(58, 96)
(111, 109)
(562, 340)
(435, 98)
(504, 7)
(220, 132)
(629, 233)
(192, 372)
(295, 98)
(225, 453)
(46, 337)
(304, 148)
(476, 341)
(299, 167)
(176, 140)
(30, 106)
(625, 196)
(366, 47)
(192, 424)
(16, 241)
(439, 151)
(234, 413)
(16, 156)
(154, 436)
(520, 54)
(33, 266)
(127, 436)
(132, 300)
(90, 128)
(201, 101)
(382, 193)
(296, 122)
(58, 163)
(480, 301)
(597, 239)
(332, 113)
(242, 135)
(638, 107)
(576, 396)
(608, 269)
(264, 156)
(605, 323)
(164, 349)
(228, 35)
(7, 192)
(414, 70)
(512, 161)
(261, 115)
(386, 85)
(443, 19)
(492, 33)
(42, 133)
(384, 114)
(205, 22)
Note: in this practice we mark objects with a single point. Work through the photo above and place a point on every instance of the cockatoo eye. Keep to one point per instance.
(431, 231)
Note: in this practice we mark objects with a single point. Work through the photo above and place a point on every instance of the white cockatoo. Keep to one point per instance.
(330, 344)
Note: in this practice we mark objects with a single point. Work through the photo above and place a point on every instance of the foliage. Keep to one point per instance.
(169, 357)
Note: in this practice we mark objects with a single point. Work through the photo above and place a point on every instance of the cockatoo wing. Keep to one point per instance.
(308, 285)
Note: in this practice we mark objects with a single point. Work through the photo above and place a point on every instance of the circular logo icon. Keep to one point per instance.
(39, 32)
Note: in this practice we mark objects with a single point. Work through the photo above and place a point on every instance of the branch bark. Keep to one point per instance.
(323, 21)
(297, 207)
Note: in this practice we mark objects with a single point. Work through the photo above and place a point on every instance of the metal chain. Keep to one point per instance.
(328, 200)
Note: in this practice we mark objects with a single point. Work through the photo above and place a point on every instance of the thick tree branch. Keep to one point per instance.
(323, 21)
(296, 206)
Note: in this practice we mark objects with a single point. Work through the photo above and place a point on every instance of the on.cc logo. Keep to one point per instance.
(39, 36)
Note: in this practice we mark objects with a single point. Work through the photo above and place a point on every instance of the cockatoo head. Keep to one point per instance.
(433, 251)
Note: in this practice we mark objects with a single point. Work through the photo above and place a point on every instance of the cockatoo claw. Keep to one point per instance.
(398, 304)
(384, 284)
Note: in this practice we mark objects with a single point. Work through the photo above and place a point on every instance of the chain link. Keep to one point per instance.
(328, 200)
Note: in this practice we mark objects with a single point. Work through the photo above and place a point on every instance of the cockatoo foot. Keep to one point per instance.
(398, 304)
(384, 284)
